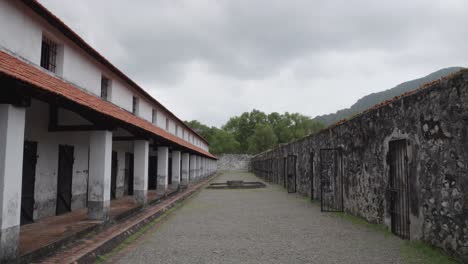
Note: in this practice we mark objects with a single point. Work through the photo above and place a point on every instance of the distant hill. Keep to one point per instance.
(375, 98)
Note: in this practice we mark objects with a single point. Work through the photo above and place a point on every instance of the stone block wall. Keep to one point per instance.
(234, 162)
(434, 122)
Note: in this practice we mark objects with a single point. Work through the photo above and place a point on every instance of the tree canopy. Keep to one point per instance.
(254, 132)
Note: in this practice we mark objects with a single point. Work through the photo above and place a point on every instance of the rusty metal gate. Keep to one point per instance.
(331, 180)
(398, 188)
(312, 154)
(291, 173)
(285, 160)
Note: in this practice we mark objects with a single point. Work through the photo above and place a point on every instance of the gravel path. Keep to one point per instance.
(258, 226)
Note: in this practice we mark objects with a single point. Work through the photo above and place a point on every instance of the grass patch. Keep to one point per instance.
(362, 222)
(414, 252)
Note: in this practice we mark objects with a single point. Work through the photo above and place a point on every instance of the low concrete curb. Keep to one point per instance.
(88, 249)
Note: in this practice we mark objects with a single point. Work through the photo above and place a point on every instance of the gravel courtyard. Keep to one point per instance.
(257, 226)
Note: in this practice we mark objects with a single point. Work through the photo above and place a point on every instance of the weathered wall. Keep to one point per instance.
(434, 120)
(234, 162)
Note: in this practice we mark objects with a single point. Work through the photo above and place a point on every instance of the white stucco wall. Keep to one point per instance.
(146, 110)
(19, 33)
(22, 31)
(121, 96)
(161, 120)
(79, 69)
(45, 193)
(171, 126)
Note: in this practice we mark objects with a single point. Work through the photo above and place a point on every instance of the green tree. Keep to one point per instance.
(255, 131)
(223, 142)
(262, 139)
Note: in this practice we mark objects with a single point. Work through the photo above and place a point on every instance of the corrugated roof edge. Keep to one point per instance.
(45, 13)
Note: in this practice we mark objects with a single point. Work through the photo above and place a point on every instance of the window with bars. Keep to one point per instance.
(154, 117)
(105, 86)
(49, 54)
(177, 130)
(135, 105)
(167, 124)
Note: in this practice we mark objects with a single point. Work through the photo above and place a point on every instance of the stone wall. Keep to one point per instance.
(433, 121)
(234, 162)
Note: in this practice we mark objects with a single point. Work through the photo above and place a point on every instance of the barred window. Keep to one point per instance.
(167, 124)
(105, 83)
(154, 116)
(49, 54)
(135, 105)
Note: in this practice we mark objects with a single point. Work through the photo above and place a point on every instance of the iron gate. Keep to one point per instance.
(312, 154)
(398, 188)
(331, 180)
(285, 160)
(291, 169)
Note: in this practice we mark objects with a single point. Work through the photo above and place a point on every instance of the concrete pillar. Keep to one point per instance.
(193, 168)
(163, 170)
(175, 169)
(140, 170)
(185, 169)
(100, 159)
(12, 122)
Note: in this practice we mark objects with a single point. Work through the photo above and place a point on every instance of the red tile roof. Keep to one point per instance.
(81, 43)
(21, 70)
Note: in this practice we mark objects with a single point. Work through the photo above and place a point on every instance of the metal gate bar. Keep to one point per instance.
(399, 188)
(331, 180)
(291, 169)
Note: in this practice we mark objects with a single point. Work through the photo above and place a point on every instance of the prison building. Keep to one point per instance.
(76, 133)
(402, 163)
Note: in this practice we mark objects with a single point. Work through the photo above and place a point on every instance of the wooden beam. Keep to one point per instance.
(55, 127)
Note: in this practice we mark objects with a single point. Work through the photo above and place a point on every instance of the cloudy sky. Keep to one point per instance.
(213, 59)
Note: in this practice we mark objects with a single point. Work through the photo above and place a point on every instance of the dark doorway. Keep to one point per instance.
(398, 188)
(29, 178)
(331, 180)
(169, 171)
(180, 172)
(65, 176)
(152, 172)
(114, 169)
(285, 161)
(129, 173)
(291, 171)
(312, 154)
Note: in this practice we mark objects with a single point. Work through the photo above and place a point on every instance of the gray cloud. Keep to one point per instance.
(227, 56)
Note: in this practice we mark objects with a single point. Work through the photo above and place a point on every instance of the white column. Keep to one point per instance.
(140, 171)
(193, 168)
(185, 169)
(100, 158)
(12, 122)
(163, 170)
(175, 169)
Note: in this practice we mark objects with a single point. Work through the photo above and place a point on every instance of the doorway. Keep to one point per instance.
(152, 172)
(129, 173)
(29, 179)
(114, 169)
(311, 162)
(65, 177)
(398, 188)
